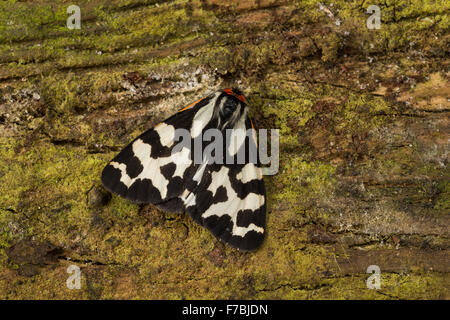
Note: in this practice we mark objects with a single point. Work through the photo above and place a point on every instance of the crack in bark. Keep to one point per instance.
(88, 261)
(302, 287)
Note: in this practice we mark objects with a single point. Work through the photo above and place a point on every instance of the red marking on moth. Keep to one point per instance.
(191, 105)
(232, 93)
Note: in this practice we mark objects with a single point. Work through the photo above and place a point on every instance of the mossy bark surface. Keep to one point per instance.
(364, 146)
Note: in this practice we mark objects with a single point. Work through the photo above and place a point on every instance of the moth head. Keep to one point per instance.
(230, 108)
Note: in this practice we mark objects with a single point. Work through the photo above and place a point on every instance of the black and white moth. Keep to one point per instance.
(226, 197)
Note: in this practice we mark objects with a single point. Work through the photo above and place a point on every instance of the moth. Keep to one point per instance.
(226, 197)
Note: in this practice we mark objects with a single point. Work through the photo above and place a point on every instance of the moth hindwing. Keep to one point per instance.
(174, 167)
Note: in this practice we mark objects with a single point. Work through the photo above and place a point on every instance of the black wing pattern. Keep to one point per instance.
(226, 198)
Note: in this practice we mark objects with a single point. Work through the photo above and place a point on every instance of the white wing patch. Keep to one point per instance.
(152, 167)
(249, 172)
(237, 137)
(201, 119)
(166, 134)
(234, 204)
(182, 161)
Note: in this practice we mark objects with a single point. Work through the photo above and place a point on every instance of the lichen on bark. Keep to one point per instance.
(364, 140)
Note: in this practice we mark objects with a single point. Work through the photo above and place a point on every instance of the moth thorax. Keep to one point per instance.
(230, 110)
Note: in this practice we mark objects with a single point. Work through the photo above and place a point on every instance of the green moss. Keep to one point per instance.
(319, 99)
(304, 181)
(442, 202)
(61, 176)
(108, 37)
(6, 232)
(330, 47)
(393, 286)
(361, 113)
(289, 108)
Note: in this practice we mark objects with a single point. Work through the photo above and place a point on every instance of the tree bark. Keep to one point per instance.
(363, 116)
